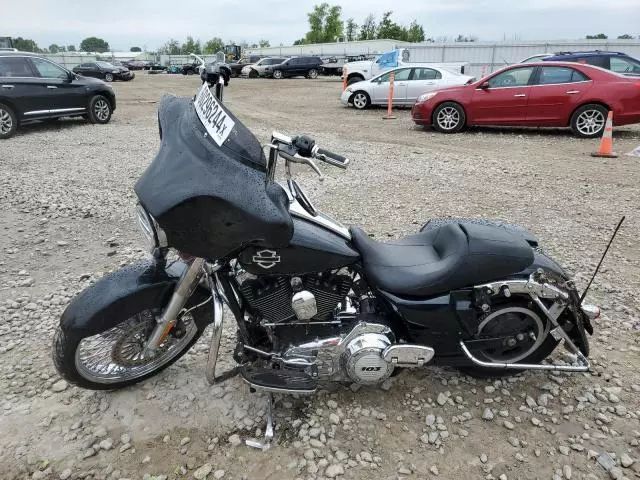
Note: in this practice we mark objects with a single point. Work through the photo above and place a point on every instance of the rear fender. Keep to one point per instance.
(119, 295)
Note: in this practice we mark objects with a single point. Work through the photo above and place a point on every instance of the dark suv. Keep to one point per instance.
(615, 61)
(298, 66)
(34, 88)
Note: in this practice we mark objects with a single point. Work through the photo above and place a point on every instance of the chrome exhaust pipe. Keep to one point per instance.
(584, 366)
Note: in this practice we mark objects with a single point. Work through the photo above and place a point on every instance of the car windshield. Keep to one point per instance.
(105, 64)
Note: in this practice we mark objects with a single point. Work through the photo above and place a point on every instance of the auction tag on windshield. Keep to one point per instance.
(212, 115)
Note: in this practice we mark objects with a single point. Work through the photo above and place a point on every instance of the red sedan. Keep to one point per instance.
(546, 94)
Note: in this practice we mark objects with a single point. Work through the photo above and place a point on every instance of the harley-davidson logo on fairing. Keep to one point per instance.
(266, 258)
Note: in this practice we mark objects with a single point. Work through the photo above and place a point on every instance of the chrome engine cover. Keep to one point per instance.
(356, 355)
(363, 360)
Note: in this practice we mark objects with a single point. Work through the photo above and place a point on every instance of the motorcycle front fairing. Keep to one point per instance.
(211, 200)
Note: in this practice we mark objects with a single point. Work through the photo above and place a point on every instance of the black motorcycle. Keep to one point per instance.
(314, 301)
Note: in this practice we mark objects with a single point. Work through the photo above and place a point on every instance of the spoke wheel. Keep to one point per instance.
(118, 354)
(8, 122)
(313, 73)
(521, 329)
(109, 77)
(101, 110)
(590, 122)
(361, 100)
(448, 118)
(277, 74)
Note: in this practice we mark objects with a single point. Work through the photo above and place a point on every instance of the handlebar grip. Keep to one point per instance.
(332, 158)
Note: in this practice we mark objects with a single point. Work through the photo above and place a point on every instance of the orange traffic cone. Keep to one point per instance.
(606, 142)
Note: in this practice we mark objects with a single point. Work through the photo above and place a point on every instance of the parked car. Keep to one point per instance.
(157, 67)
(236, 67)
(137, 65)
(536, 58)
(192, 68)
(615, 61)
(34, 88)
(261, 68)
(308, 67)
(543, 94)
(104, 70)
(408, 85)
(174, 69)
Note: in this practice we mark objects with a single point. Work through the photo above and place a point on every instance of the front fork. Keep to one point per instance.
(184, 288)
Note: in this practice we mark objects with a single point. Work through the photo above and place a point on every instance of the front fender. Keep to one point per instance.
(119, 295)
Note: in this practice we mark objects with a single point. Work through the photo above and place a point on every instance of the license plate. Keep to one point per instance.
(214, 118)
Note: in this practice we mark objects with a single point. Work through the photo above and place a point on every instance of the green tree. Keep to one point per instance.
(135, 49)
(191, 46)
(53, 48)
(94, 44)
(265, 43)
(389, 29)
(71, 48)
(599, 36)
(415, 33)
(333, 25)
(300, 41)
(351, 30)
(325, 23)
(212, 46)
(26, 45)
(172, 47)
(316, 21)
(464, 38)
(626, 36)
(369, 28)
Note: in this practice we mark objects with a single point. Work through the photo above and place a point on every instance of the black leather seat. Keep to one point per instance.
(448, 257)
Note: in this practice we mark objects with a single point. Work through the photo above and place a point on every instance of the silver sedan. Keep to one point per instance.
(408, 85)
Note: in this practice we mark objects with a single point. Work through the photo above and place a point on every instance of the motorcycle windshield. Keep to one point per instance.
(211, 199)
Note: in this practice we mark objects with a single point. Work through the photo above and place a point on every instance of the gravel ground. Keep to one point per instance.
(67, 218)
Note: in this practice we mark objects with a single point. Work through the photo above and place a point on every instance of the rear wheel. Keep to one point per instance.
(8, 122)
(313, 73)
(277, 74)
(524, 334)
(116, 357)
(589, 121)
(449, 117)
(108, 77)
(361, 100)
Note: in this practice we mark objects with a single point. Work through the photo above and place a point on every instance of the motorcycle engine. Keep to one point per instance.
(305, 298)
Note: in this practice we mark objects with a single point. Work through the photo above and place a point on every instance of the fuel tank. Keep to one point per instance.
(311, 249)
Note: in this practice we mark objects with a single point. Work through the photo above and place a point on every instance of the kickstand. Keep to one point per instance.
(268, 433)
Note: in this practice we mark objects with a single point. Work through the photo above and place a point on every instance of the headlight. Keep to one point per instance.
(426, 96)
(154, 236)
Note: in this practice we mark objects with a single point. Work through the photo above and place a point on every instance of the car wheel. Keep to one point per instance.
(313, 73)
(589, 120)
(253, 74)
(108, 77)
(353, 80)
(99, 110)
(190, 72)
(277, 74)
(8, 122)
(449, 117)
(361, 100)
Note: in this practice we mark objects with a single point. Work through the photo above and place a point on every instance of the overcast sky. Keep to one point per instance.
(150, 23)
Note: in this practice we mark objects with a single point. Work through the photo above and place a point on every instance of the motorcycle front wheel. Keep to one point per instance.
(115, 358)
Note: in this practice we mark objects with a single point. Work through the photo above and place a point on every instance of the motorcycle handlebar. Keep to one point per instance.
(307, 148)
